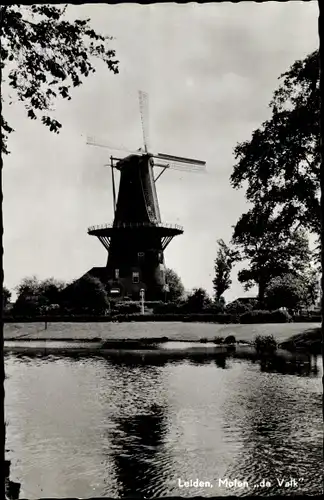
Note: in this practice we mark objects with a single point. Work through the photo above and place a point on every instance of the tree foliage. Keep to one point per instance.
(281, 162)
(51, 290)
(271, 250)
(176, 288)
(197, 300)
(43, 56)
(35, 296)
(28, 297)
(6, 296)
(293, 292)
(86, 295)
(265, 344)
(223, 267)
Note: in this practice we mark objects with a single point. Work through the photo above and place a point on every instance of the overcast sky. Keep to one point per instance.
(210, 71)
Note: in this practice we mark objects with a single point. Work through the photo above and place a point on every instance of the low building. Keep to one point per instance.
(244, 300)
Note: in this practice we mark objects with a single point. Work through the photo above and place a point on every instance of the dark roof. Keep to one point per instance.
(244, 299)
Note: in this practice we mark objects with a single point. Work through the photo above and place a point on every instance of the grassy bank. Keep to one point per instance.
(171, 330)
(309, 341)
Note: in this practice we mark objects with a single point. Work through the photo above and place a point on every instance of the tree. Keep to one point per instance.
(197, 300)
(6, 296)
(271, 250)
(312, 287)
(292, 292)
(220, 304)
(281, 162)
(43, 56)
(28, 300)
(35, 296)
(223, 267)
(50, 289)
(176, 288)
(87, 294)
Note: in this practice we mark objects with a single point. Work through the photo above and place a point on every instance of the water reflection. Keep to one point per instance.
(136, 425)
(136, 442)
(82, 426)
(307, 367)
(220, 361)
(280, 435)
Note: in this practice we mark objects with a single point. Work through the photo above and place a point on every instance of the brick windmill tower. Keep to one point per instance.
(137, 239)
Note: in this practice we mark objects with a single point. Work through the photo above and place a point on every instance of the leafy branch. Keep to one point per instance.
(44, 56)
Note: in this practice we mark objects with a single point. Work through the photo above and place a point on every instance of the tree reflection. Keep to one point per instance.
(220, 361)
(279, 433)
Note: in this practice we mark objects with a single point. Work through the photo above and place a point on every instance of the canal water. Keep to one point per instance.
(89, 427)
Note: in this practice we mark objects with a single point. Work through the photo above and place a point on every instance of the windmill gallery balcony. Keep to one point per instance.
(165, 228)
(165, 232)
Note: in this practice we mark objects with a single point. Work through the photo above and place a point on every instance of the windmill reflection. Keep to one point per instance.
(136, 443)
(137, 432)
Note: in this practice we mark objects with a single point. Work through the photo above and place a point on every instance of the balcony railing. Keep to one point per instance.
(135, 225)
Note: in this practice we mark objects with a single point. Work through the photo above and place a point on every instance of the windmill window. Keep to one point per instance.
(135, 277)
(116, 274)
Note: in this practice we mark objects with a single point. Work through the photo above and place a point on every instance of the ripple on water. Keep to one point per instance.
(93, 426)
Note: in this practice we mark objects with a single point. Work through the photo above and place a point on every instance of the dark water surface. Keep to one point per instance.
(94, 427)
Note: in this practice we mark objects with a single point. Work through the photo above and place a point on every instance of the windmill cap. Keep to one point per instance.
(128, 159)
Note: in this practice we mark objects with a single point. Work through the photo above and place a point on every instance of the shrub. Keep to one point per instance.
(238, 307)
(168, 308)
(265, 344)
(51, 310)
(218, 340)
(230, 340)
(214, 308)
(309, 318)
(280, 316)
(154, 303)
(197, 301)
(128, 307)
(212, 318)
(261, 316)
(225, 318)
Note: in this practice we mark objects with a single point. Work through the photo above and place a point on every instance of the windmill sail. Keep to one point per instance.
(143, 101)
(154, 193)
(180, 159)
(183, 167)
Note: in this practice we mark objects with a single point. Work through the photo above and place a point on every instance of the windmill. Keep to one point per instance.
(137, 238)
